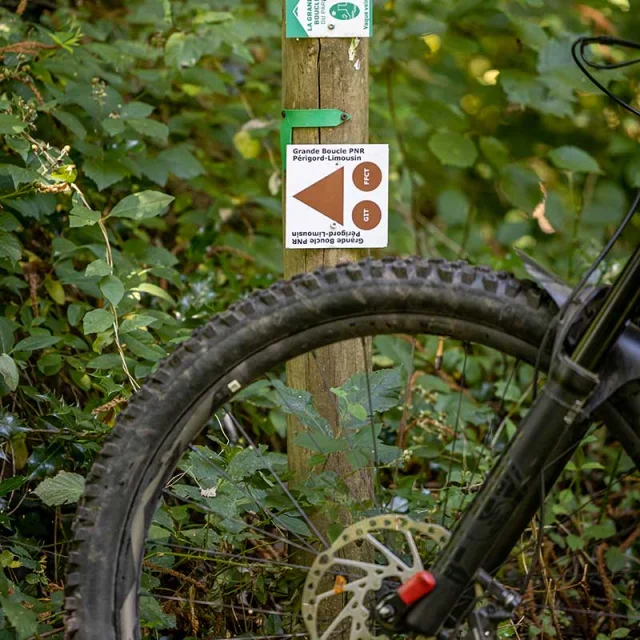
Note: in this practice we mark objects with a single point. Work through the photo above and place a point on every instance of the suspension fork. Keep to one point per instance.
(505, 504)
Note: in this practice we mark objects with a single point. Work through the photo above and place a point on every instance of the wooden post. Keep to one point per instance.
(326, 74)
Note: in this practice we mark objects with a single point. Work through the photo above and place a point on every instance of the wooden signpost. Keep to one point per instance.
(328, 73)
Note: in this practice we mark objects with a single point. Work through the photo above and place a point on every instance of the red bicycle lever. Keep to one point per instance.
(416, 587)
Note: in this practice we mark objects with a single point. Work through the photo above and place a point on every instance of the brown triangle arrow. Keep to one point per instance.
(326, 196)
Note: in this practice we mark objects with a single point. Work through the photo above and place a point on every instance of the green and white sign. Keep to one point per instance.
(329, 19)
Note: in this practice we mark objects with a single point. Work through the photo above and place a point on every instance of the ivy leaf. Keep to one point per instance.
(96, 321)
(97, 268)
(143, 205)
(9, 371)
(574, 159)
(64, 488)
(453, 149)
(34, 343)
(112, 289)
(10, 125)
(83, 217)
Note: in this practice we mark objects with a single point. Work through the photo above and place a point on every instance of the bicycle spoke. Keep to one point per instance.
(268, 534)
(447, 484)
(281, 484)
(374, 438)
(487, 436)
(266, 510)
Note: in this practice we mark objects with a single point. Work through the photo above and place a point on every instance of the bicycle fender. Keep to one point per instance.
(622, 363)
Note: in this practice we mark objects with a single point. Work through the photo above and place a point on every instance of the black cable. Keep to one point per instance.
(583, 62)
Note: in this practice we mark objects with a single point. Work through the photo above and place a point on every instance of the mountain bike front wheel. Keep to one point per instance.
(195, 522)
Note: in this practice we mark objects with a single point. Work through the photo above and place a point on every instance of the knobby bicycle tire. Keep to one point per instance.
(410, 296)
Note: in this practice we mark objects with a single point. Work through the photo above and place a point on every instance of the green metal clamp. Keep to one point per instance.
(307, 119)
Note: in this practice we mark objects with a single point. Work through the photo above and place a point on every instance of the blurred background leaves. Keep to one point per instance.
(140, 194)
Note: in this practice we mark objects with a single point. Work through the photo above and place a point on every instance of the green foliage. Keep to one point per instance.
(140, 194)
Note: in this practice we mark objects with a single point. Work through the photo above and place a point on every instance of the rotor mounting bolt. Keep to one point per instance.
(386, 611)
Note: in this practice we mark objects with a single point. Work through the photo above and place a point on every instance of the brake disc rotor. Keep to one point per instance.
(328, 568)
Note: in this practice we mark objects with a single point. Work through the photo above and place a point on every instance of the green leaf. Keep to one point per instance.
(300, 404)
(154, 290)
(49, 364)
(82, 217)
(33, 343)
(137, 322)
(136, 110)
(19, 175)
(607, 206)
(22, 619)
(8, 222)
(522, 88)
(98, 268)
(153, 616)
(494, 151)
(152, 128)
(66, 173)
(181, 162)
(55, 290)
(616, 559)
(107, 361)
(104, 172)
(96, 321)
(295, 525)
(151, 352)
(522, 187)
(112, 289)
(10, 125)
(7, 339)
(9, 371)
(71, 122)
(574, 159)
(9, 246)
(141, 206)
(64, 488)
(74, 313)
(380, 390)
(181, 51)
(453, 207)
(453, 149)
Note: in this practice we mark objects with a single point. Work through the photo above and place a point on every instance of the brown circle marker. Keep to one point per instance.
(367, 215)
(367, 176)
